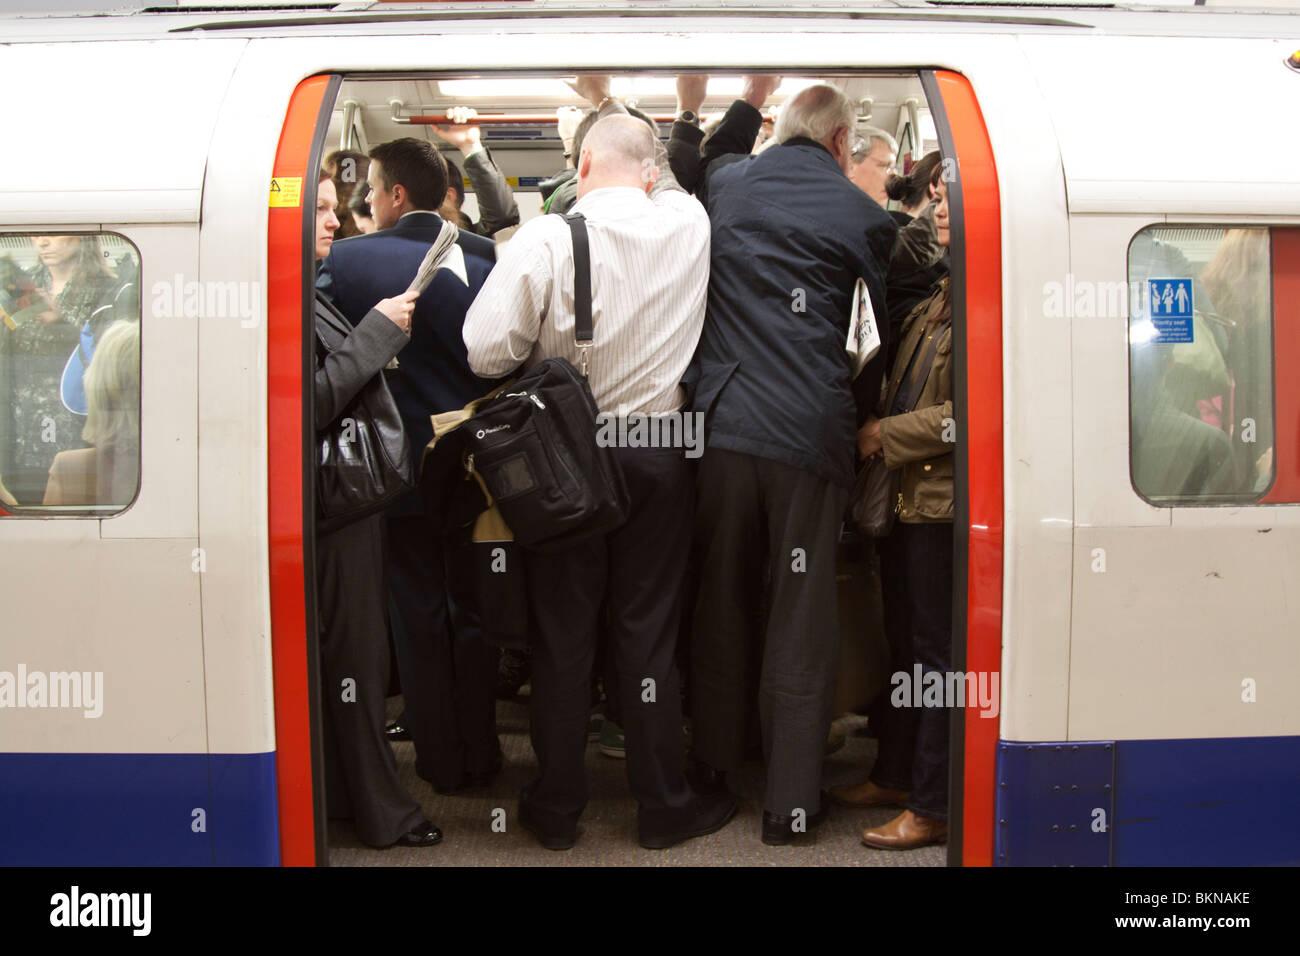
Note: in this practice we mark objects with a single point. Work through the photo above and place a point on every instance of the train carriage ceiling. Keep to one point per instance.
(533, 146)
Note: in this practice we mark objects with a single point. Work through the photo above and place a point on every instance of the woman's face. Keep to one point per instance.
(327, 201)
(56, 250)
(941, 212)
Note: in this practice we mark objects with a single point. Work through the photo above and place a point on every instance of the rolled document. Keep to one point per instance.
(443, 254)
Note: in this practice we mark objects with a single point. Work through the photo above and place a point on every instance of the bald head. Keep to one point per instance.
(824, 114)
(617, 151)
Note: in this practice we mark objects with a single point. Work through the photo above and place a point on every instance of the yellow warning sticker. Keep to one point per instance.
(286, 191)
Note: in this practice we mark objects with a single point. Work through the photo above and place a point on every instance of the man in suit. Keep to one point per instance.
(791, 237)
(448, 673)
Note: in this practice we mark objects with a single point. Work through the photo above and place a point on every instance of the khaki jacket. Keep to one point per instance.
(915, 442)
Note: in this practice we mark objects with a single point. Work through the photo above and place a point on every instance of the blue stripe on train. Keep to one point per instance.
(138, 810)
(1226, 801)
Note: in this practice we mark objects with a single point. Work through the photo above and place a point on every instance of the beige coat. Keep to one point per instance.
(921, 442)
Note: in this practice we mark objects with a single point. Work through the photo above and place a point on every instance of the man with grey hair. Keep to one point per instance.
(873, 155)
(791, 237)
(649, 254)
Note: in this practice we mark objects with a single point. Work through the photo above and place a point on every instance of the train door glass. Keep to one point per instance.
(1201, 364)
(69, 373)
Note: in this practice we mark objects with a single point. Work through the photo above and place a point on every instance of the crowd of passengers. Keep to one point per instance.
(724, 266)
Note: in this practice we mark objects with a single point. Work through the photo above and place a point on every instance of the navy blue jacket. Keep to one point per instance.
(434, 374)
(775, 380)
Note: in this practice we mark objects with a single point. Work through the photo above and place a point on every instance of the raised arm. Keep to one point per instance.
(734, 137)
(496, 202)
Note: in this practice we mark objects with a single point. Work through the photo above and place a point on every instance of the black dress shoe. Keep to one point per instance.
(397, 731)
(713, 811)
(550, 840)
(778, 829)
(423, 833)
(704, 779)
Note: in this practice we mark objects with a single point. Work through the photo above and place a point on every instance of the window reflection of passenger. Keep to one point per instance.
(1237, 280)
(1175, 454)
(74, 293)
(106, 473)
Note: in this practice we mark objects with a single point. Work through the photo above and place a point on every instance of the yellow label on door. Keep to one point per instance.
(286, 191)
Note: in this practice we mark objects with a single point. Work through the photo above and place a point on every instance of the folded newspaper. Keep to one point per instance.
(864, 335)
(443, 254)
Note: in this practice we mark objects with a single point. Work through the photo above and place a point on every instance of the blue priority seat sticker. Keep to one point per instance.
(1171, 309)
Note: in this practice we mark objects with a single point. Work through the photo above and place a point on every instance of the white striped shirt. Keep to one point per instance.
(649, 281)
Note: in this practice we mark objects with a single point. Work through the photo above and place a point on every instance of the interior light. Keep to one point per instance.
(667, 86)
(505, 88)
(725, 87)
(1293, 61)
(790, 85)
(928, 133)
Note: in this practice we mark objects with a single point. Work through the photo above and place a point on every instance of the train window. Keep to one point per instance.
(69, 373)
(1201, 364)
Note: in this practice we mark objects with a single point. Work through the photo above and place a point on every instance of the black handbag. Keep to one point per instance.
(363, 457)
(874, 502)
(534, 445)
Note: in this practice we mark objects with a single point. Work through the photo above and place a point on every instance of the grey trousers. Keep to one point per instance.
(765, 536)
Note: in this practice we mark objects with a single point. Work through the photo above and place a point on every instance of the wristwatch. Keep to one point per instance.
(689, 116)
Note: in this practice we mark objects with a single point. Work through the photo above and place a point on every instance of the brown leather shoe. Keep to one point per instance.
(907, 831)
(868, 795)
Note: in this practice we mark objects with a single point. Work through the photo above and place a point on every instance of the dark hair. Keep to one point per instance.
(323, 175)
(334, 165)
(359, 204)
(417, 167)
(456, 181)
(914, 188)
(589, 121)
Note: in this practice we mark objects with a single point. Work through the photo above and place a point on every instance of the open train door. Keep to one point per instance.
(976, 249)
(291, 229)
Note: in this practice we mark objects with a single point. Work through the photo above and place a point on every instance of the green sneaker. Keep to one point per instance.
(611, 740)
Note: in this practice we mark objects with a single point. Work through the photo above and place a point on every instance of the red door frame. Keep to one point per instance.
(294, 657)
(977, 297)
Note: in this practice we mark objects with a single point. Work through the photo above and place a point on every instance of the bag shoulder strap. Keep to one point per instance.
(923, 371)
(582, 327)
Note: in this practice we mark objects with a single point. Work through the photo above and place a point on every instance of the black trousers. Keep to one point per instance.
(762, 523)
(361, 774)
(916, 575)
(448, 671)
(637, 571)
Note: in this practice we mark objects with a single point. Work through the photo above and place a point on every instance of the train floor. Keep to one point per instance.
(607, 834)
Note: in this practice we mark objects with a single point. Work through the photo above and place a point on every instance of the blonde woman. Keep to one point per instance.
(106, 473)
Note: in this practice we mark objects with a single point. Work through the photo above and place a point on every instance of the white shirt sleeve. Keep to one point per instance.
(502, 324)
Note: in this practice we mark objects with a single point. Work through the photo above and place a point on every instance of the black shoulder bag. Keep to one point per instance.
(363, 457)
(535, 444)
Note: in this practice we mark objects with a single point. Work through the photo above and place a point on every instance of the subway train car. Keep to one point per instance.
(1126, 266)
